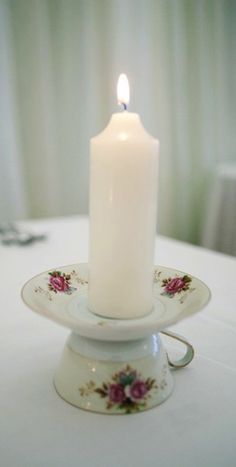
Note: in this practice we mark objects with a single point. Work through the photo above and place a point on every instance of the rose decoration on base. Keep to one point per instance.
(127, 391)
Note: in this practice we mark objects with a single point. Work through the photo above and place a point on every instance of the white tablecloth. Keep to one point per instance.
(195, 427)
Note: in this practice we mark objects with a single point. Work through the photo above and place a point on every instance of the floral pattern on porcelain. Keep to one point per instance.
(126, 392)
(60, 282)
(174, 286)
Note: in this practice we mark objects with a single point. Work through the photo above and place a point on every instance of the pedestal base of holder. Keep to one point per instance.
(114, 377)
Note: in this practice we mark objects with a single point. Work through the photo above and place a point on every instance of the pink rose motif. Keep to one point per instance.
(116, 393)
(138, 389)
(59, 283)
(128, 392)
(175, 285)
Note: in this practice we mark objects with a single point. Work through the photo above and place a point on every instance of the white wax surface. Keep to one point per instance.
(123, 203)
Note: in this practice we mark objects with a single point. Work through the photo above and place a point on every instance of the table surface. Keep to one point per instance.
(195, 427)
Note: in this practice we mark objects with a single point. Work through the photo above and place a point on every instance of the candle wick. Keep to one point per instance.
(124, 105)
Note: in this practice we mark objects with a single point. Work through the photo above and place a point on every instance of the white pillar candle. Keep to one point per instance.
(123, 204)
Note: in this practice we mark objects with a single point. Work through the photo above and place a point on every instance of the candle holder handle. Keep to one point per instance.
(188, 356)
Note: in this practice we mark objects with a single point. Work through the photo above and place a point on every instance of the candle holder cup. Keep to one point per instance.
(115, 366)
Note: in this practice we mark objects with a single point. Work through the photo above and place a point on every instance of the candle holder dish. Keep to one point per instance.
(111, 365)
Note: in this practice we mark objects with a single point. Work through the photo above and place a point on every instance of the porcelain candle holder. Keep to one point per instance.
(110, 365)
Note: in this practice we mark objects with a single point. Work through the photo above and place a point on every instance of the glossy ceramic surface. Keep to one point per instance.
(115, 378)
(115, 366)
(61, 295)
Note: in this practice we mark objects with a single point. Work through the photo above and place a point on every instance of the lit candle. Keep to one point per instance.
(123, 204)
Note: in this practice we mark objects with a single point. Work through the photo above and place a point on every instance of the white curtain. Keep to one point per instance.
(13, 201)
(62, 61)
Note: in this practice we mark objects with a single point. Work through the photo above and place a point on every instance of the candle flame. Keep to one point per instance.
(123, 90)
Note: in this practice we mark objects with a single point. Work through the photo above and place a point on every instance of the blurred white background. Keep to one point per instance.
(59, 63)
